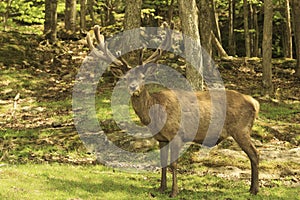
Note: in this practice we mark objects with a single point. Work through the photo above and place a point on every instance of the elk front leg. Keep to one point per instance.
(175, 148)
(164, 151)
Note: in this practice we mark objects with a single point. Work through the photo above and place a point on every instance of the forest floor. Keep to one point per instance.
(36, 119)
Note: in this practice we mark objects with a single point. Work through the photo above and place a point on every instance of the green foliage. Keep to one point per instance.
(24, 11)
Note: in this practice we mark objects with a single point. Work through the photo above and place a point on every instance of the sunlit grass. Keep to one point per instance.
(57, 181)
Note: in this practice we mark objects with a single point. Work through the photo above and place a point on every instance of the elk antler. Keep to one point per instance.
(165, 45)
(120, 65)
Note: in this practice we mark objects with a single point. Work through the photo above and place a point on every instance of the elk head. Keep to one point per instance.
(134, 77)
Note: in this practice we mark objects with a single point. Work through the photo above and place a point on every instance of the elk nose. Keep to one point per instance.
(132, 87)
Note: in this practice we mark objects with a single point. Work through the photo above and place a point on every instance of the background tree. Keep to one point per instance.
(50, 24)
(132, 20)
(287, 46)
(70, 15)
(231, 36)
(246, 28)
(256, 29)
(188, 14)
(205, 25)
(132, 17)
(267, 48)
(296, 20)
(82, 15)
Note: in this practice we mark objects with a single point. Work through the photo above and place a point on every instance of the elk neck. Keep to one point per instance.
(141, 104)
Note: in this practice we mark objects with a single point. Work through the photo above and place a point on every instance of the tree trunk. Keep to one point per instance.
(170, 12)
(205, 25)
(47, 22)
(267, 49)
(90, 8)
(189, 23)
(246, 29)
(70, 15)
(132, 17)
(256, 33)
(51, 31)
(288, 53)
(6, 14)
(218, 45)
(296, 20)
(215, 21)
(132, 20)
(82, 16)
(231, 40)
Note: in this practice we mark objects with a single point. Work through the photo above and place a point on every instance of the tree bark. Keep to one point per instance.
(205, 25)
(215, 21)
(90, 8)
(188, 14)
(70, 15)
(296, 20)
(267, 49)
(170, 12)
(288, 53)
(132, 17)
(246, 28)
(132, 20)
(47, 22)
(218, 45)
(82, 15)
(50, 29)
(231, 40)
(256, 33)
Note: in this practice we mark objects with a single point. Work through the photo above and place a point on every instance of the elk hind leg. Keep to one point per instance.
(244, 141)
(175, 146)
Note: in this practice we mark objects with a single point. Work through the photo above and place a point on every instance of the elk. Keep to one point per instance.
(241, 112)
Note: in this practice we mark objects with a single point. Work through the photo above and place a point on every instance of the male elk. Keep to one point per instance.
(241, 111)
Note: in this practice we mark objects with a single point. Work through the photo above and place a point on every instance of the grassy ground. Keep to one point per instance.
(96, 182)
(42, 156)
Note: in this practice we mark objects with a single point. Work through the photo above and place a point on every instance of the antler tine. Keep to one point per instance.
(103, 53)
(99, 37)
(89, 42)
(166, 44)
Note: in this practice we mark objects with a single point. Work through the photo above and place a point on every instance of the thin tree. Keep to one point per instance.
(189, 23)
(82, 15)
(267, 48)
(215, 20)
(90, 9)
(296, 20)
(288, 48)
(205, 25)
(256, 31)
(246, 28)
(50, 24)
(231, 36)
(70, 15)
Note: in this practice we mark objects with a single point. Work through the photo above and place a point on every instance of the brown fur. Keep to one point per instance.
(241, 111)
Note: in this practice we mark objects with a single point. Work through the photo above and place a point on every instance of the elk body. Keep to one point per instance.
(241, 111)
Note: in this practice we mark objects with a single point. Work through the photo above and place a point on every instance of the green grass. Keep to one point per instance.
(280, 112)
(57, 181)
